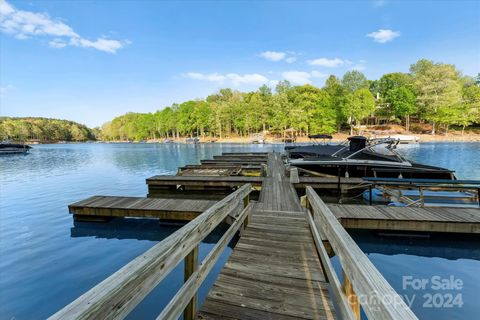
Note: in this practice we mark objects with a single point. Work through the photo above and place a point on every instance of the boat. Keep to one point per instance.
(193, 140)
(320, 145)
(13, 148)
(257, 139)
(360, 157)
(402, 138)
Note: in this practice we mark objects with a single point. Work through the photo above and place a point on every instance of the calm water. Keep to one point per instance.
(47, 260)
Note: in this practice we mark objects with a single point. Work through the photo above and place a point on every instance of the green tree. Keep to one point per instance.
(469, 112)
(354, 80)
(438, 90)
(337, 94)
(402, 101)
(358, 105)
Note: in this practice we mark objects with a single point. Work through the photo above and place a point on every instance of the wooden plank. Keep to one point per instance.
(366, 279)
(202, 181)
(335, 285)
(117, 295)
(274, 271)
(294, 175)
(170, 209)
(431, 219)
(192, 284)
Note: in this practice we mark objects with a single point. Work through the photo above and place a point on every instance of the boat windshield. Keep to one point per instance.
(381, 150)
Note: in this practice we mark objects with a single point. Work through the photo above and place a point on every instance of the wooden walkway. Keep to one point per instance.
(429, 219)
(274, 271)
(108, 206)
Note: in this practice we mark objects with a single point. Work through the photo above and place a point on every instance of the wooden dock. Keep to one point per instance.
(428, 219)
(280, 267)
(272, 273)
(108, 206)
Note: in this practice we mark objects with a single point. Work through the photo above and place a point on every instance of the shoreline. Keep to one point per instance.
(336, 138)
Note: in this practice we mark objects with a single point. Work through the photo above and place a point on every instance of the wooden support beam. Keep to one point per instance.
(191, 265)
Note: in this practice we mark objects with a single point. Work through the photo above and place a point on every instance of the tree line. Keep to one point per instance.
(44, 130)
(434, 93)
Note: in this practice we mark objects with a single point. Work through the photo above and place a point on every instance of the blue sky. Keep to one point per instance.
(89, 61)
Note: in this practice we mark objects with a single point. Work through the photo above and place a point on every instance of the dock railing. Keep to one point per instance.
(119, 294)
(363, 284)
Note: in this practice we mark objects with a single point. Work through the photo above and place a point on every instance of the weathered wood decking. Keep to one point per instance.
(274, 271)
(170, 209)
(429, 219)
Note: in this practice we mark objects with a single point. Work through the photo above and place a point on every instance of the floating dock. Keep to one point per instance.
(416, 219)
(280, 267)
(272, 273)
(138, 207)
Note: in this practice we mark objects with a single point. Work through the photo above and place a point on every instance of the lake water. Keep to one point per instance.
(47, 260)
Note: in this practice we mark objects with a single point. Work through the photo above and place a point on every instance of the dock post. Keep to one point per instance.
(351, 296)
(478, 197)
(339, 181)
(246, 201)
(191, 265)
(422, 198)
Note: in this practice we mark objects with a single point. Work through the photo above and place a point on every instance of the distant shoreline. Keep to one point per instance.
(452, 137)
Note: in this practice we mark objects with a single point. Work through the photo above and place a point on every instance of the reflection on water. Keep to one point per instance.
(464, 158)
(446, 246)
(47, 260)
(430, 258)
(139, 229)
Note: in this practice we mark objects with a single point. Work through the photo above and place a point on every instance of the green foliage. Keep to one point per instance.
(402, 101)
(358, 105)
(43, 129)
(337, 94)
(354, 80)
(431, 91)
(469, 111)
(439, 91)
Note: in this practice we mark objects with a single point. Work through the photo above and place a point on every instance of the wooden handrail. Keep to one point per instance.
(379, 300)
(175, 307)
(116, 296)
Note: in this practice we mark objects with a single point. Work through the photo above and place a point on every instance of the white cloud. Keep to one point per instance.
(276, 56)
(249, 79)
(297, 77)
(359, 67)
(383, 35)
(57, 43)
(301, 77)
(318, 74)
(255, 79)
(290, 59)
(325, 62)
(235, 78)
(273, 55)
(27, 24)
(212, 77)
